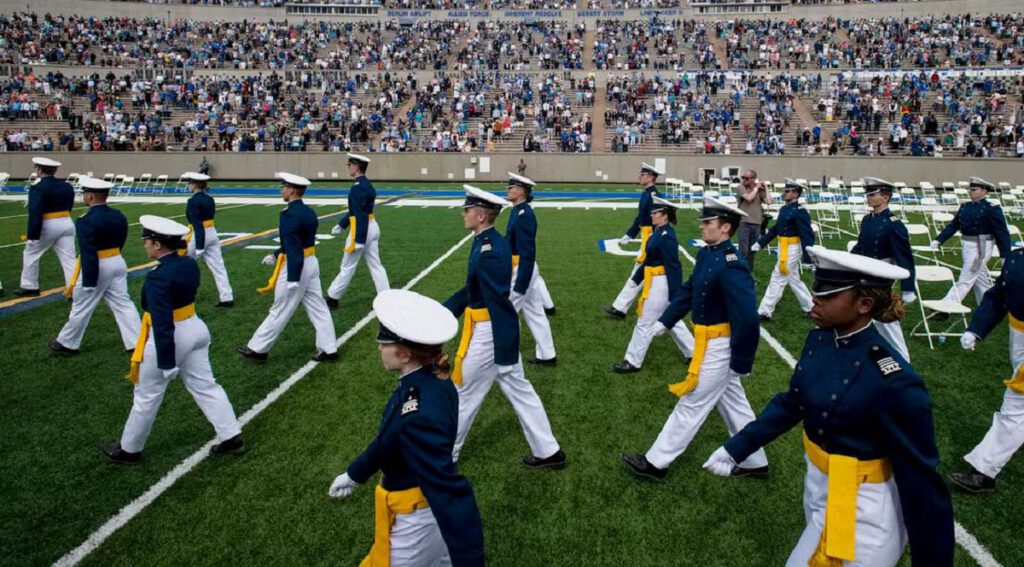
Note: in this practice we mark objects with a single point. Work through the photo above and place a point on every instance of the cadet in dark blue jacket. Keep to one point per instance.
(50, 202)
(720, 297)
(426, 512)
(296, 261)
(884, 237)
(489, 347)
(528, 287)
(100, 274)
(363, 234)
(867, 424)
(662, 281)
(174, 342)
(203, 241)
(793, 227)
(641, 226)
(1006, 435)
(980, 223)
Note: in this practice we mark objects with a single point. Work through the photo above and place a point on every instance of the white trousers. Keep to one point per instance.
(58, 234)
(629, 292)
(416, 541)
(478, 374)
(214, 259)
(286, 301)
(1006, 435)
(111, 287)
(894, 334)
(717, 387)
(779, 282)
(531, 304)
(974, 275)
(647, 324)
(350, 261)
(192, 355)
(542, 290)
(880, 535)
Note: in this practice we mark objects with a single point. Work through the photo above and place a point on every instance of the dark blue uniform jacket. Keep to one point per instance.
(49, 195)
(297, 227)
(200, 208)
(171, 285)
(100, 228)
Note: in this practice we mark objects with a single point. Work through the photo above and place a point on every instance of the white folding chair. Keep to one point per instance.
(827, 214)
(930, 308)
(858, 208)
(922, 230)
(144, 181)
(108, 177)
(181, 185)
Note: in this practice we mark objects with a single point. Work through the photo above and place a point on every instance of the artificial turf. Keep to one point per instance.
(270, 506)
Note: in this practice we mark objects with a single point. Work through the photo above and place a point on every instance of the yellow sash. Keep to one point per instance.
(105, 253)
(1016, 382)
(645, 235)
(188, 236)
(281, 259)
(471, 316)
(845, 475)
(702, 335)
(180, 314)
(515, 260)
(649, 273)
(784, 243)
(386, 505)
(352, 232)
(57, 215)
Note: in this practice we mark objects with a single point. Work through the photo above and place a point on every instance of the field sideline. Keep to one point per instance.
(270, 506)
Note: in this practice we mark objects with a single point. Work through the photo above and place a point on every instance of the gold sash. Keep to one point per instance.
(471, 317)
(188, 236)
(105, 253)
(649, 273)
(702, 335)
(386, 505)
(784, 243)
(281, 259)
(845, 475)
(352, 232)
(515, 260)
(180, 314)
(645, 235)
(57, 215)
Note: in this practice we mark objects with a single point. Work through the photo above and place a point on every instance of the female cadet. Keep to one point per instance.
(425, 511)
(174, 341)
(871, 478)
(202, 238)
(662, 278)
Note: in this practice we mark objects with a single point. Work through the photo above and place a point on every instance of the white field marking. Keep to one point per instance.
(966, 540)
(136, 506)
(26, 214)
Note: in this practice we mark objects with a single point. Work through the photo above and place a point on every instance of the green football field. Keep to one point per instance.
(270, 505)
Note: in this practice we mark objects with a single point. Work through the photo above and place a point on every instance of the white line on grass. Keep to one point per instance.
(136, 506)
(975, 549)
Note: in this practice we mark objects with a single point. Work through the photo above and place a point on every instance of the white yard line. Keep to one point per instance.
(136, 506)
(976, 550)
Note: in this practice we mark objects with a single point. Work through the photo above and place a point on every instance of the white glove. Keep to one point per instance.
(31, 242)
(735, 374)
(659, 329)
(342, 486)
(336, 230)
(170, 374)
(909, 297)
(968, 340)
(293, 285)
(514, 296)
(269, 260)
(720, 462)
(755, 247)
(506, 370)
(624, 240)
(84, 289)
(934, 245)
(200, 252)
(360, 246)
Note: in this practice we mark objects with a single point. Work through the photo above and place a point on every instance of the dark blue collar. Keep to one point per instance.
(485, 232)
(857, 338)
(167, 256)
(521, 206)
(723, 245)
(884, 213)
(793, 202)
(651, 188)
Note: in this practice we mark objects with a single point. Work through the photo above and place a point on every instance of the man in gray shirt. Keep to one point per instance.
(753, 197)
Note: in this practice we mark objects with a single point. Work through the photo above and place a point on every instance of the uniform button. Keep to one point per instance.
(834, 397)
(846, 380)
(821, 432)
(856, 363)
(824, 414)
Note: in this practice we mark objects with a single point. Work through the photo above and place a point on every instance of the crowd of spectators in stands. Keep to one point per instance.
(653, 44)
(522, 46)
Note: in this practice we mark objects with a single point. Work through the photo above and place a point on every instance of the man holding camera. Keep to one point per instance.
(754, 196)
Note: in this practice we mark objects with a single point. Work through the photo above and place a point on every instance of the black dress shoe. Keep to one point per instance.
(226, 304)
(640, 466)
(764, 318)
(325, 357)
(550, 312)
(247, 352)
(624, 367)
(332, 303)
(26, 292)
(543, 361)
(614, 312)
(114, 452)
(973, 482)
(758, 472)
(61, 349)
(556, 461)
(233, 446)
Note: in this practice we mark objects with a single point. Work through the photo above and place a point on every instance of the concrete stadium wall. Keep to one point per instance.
(102, 8)
(544, 168)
